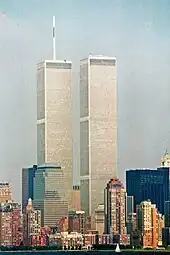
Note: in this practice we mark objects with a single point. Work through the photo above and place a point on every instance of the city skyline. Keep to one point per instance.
(142, 80)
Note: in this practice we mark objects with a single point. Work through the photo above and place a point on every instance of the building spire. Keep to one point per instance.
(166, 152)
(54, 53)
(165, 161)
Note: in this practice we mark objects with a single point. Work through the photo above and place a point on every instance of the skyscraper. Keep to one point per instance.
(31, 222)
(54, 115)
(144, 184)
(28, 175)
(167, 214)
(98, 129)
(165, 164)
(50, 194)
(115, 207)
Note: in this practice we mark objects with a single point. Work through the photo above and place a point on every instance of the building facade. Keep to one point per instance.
(31, 223)
(131, 224)
(144, 184)
(28, 175)
(167, 214)
(76, 221)
(147, 221)
(76, 198)
(99, 219)
(17, 234)
(129, 205)
(5, 192)
(10, 233)
(114, 207)
(161, 226)
(98, 129)
(165, 163)
(166, 237)
(54, 117)
(6, 227)
(62, 224)
(50, 194)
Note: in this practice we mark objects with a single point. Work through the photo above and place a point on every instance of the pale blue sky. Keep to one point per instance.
(136, 32)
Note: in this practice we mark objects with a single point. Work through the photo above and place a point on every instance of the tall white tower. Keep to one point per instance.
(98, 129)
(54, 115)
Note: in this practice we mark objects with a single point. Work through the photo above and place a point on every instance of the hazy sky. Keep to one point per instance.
(137, 32)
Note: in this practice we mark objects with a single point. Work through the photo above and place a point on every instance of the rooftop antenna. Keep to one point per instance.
(54, 54)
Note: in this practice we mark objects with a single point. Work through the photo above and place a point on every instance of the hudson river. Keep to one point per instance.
(88, 252)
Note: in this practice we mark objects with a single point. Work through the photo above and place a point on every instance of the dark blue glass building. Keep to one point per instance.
(167, 214)
(146, 184)
(166, 167)
(129, 205)
(28, 175)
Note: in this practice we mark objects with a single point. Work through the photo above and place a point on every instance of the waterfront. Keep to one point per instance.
(105, 252)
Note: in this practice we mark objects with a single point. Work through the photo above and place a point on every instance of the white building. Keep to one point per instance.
(54, 116)
(98, 129)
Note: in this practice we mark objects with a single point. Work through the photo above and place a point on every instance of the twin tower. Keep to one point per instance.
(98, 124)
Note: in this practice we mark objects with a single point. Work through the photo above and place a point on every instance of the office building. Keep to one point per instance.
(98, 129)
(99, 219)
(54, 115)
(6, 227)
(166, 168)
(28, 175)
(62, 224)
(131, 224)
(147, 223)
(76, 221)
(144, 184)
(161, 226)
(50, 194)
(31, 223)
(5, 192)
(9, 224)
(130, 215)
(129, 205)
(76, 198)
(165, 164)
(88, 224)
(17, 234)
(114, 207)
(167, 214)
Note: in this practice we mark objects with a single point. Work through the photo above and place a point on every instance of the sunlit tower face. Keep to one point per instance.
(98, 128)
(54, 114)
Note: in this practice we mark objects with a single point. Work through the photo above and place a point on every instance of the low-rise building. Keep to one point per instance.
(76, 221)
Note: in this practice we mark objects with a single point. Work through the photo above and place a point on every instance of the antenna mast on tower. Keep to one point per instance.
(54, 54)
